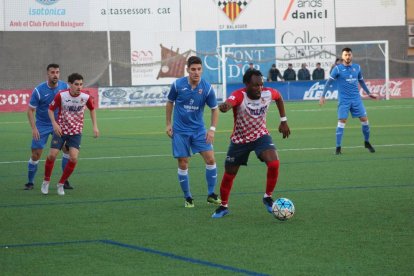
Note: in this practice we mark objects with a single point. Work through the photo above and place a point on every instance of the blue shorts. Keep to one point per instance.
(185, 143)
(40, 144)
(356, 107)
(72, 141)
(238, 154)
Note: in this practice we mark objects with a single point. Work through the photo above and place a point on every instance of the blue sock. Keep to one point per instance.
(65, 160)
(339, 133)
(184, 182)
(32, 169)
(365, 130)
(211, 177)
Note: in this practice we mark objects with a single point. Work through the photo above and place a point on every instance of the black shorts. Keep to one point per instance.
(238, 154)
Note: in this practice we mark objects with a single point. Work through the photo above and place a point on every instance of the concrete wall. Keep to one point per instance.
(25, 55)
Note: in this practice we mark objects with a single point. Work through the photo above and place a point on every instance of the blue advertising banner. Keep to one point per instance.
(297, 90)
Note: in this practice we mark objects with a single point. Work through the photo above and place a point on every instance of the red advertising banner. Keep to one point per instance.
(18, 100)
(398, 88)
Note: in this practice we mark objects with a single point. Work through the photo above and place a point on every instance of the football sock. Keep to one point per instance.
(65, 160)
(184, 182)
(225, 188)
(211, 177)
(339, 133)
(365, 130)
(272, 174)
(67, 171)
(32, 169)
(48, 168)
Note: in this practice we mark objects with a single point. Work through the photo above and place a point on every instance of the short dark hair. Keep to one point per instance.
(249, 73)
(74, 77)
(52, 65)
(193, 60)
(346, 49)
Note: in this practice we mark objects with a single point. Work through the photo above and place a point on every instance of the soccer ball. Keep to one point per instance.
(283, 208)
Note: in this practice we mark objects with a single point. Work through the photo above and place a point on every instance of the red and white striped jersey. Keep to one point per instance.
(71, 110)
(250, 115)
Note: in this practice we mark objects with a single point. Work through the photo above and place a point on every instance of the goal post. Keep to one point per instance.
(373, 56)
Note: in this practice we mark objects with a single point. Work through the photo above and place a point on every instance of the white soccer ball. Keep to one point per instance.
(283, 208)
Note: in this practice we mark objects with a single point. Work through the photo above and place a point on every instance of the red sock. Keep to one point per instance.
(272, 174)
(70, 166)
(225, 187)
(48, 168)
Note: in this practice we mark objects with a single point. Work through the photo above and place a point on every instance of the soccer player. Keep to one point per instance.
(348, 75)
(42, 127)
(188, 97)
(68, 128)
(250, 106)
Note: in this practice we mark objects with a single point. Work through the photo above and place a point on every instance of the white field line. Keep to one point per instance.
(169, 155)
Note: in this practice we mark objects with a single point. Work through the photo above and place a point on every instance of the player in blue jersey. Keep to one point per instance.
(348, 75)
(42, 127)
(188, 97)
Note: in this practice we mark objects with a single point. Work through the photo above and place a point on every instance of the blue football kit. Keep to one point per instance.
(188, 116)
(349, 100)
(42, 96)
(189, 133)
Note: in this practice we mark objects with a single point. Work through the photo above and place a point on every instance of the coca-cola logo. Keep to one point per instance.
(394, 88)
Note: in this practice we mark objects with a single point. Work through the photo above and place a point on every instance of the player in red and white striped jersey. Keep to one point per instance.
(250, 106)
(68, 128)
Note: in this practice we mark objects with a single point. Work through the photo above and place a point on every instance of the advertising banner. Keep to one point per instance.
(312, 90)
(369, 13)
(46, 15)
(160, 57)
(14, 100)
(143, 15)
(18, 100)
(140, 96)
(204, 15)
(122, 97)
(305, 22)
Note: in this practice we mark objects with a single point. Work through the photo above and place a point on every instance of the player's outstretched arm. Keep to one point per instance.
(283, 127)
(365, 88)
(224, 107)
(322, 99)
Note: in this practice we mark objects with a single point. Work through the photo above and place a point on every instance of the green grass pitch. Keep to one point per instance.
(126, 215)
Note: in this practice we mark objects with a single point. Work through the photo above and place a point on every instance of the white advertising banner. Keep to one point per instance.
(121, 97)
(45, 15)
(143, 15)
(369, 13)
(305, 22)
(227, 15)
(159, 57)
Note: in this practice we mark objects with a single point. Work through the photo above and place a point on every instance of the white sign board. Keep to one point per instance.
(369, 13)
(45, 15)
(203, 15)
(159, 57)
(305, 22)
(143, 15)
